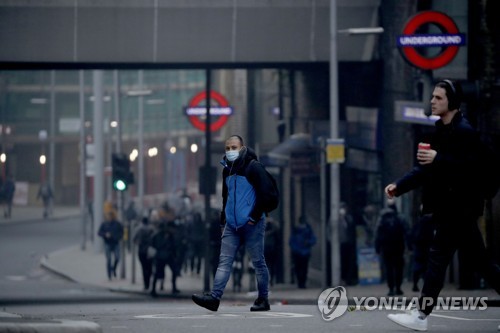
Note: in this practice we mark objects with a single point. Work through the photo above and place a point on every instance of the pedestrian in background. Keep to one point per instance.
(347, 236)
(142, 238)
(453, 192)
(301, 241)
(131, 213)
(45, 193)
(245, 185)
(215, 239)
(195, 240)
(111, 231)
(390, 244)
(271, 248)
(8, 191)
(369, 220)
(164, 243)
(421, 241)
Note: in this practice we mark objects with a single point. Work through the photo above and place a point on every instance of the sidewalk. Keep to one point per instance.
(88, 267)
(33, 213)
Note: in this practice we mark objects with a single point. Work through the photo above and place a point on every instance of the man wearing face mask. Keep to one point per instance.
(242, 220)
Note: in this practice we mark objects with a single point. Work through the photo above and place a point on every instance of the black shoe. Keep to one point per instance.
(261, 304)
(206, 301)
(391, 293)
(399, 292)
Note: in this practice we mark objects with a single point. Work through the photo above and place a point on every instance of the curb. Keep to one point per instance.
(10, 322)
(14, 324)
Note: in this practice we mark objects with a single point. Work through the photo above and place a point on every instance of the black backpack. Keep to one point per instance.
(272, 197)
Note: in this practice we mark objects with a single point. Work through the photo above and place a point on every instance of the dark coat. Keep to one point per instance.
(252, 181)
(115, 230)
(143, 237)
(164, 241)
(391, 234)
(452, 181)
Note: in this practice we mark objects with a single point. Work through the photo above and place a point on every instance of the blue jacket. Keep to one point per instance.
(242, 188)
(302, 239)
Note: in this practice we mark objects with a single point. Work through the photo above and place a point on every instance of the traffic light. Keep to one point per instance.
(122, 176)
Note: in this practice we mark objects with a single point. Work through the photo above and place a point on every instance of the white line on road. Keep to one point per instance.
(16, 277)
(460, 318)
(233, 315)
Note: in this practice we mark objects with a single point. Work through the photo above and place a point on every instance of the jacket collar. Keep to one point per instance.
(457, 118)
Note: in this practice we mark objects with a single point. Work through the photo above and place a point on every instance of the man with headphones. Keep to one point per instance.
(449, 175)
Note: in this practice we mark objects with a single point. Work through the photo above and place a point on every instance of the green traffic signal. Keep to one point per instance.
(122, 177)
(120, 185)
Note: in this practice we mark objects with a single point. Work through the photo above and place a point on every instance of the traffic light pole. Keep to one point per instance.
(207, 180)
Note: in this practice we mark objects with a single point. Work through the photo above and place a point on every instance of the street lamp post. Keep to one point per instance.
(43, 160)
(334, 132)
(3, 159)
(208, 164)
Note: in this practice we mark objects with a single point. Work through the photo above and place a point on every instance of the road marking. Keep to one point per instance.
(460, 318)
(16, 277)
(233, 315)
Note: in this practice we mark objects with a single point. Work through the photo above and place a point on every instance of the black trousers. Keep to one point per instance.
(147, 268)
(455, 231)
(394, 265)
(301, 264)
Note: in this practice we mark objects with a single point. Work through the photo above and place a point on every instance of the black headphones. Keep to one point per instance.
(454, 96)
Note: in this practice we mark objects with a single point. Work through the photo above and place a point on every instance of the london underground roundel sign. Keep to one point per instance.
(450, 39)
(196, 113)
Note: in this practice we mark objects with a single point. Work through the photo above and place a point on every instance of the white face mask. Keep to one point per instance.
(232, 155)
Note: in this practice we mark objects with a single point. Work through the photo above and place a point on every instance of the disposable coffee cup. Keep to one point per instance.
(424, 146)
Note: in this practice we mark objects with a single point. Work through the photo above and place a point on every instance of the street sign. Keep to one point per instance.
(335, 151)
(196, 113)
(412, 112)
(449, 40)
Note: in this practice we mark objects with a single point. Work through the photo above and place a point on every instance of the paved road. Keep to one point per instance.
(183, 316)
(22, 280)
(40, 296)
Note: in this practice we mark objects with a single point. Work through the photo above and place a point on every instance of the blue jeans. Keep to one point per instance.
(253, 238)
(111, 250)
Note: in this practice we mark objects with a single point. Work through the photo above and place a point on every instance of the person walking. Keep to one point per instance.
(301, 241)
(164, 243)
(390, 243)
(347, 236)
(450, 176)
(111, 231)
(45, 193)
(271, 248)
(142, 239)
(8, 190)
(244, 187)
